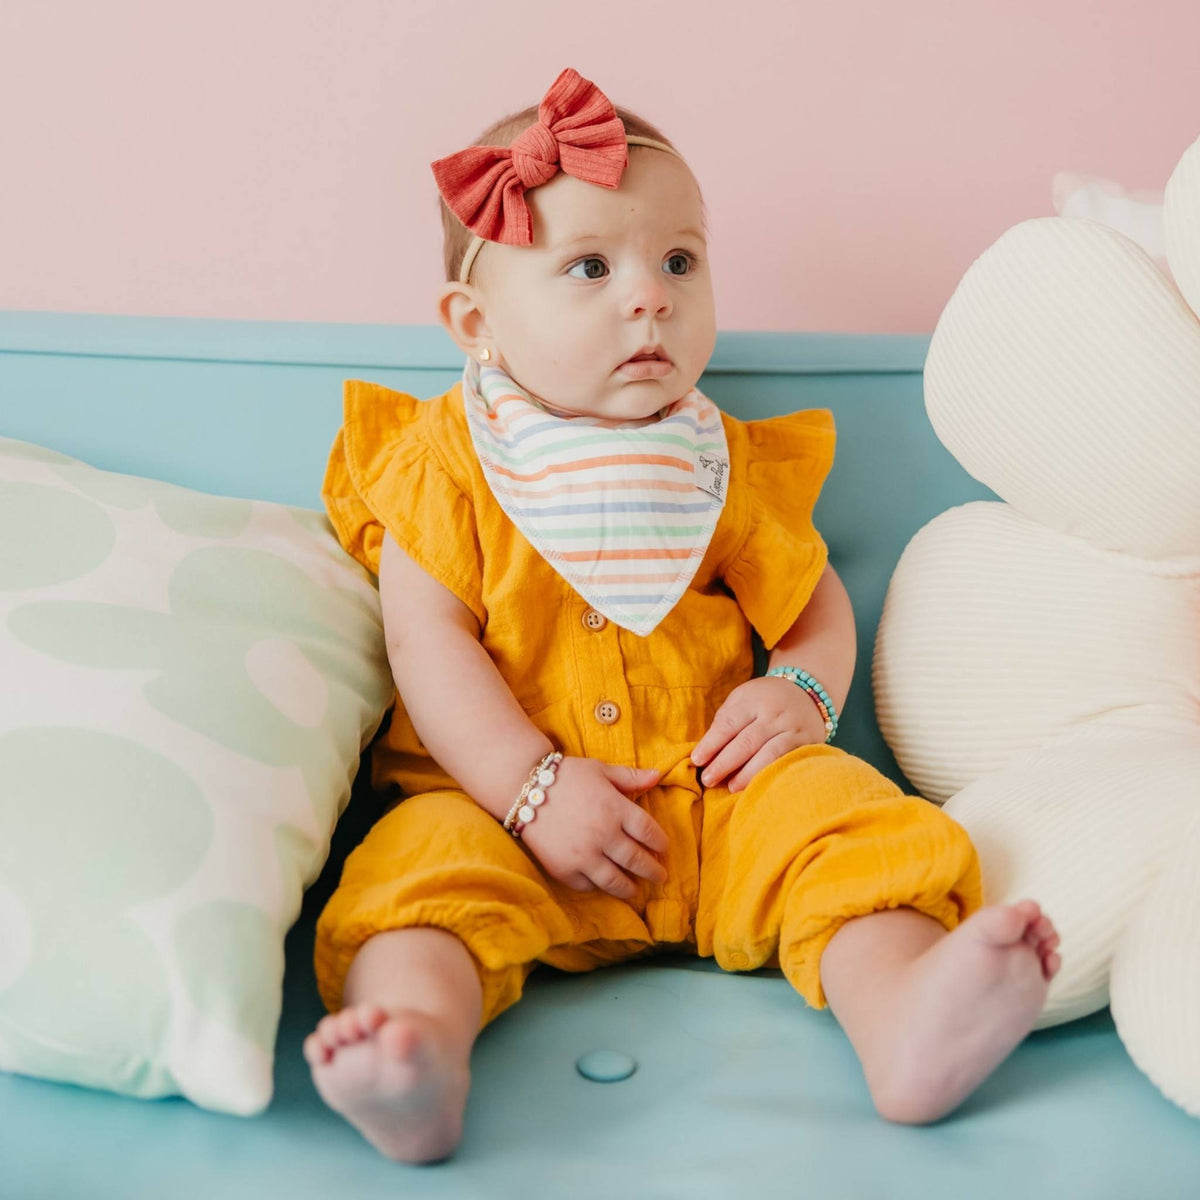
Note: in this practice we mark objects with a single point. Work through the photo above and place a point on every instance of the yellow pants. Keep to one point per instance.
(762, 877)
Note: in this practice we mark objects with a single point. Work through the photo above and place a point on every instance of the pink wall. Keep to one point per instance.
(268, 158)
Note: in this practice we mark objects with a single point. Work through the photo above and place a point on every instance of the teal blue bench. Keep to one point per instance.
(740, 1090)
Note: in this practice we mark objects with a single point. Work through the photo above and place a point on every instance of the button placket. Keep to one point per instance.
(605, 698)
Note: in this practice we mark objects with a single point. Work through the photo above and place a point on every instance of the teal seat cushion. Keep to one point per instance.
(740, 1090)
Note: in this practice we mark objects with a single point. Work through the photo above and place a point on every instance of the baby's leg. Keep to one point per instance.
(395, 1060)
(855, 884)
(931, 1014)
(437, 921)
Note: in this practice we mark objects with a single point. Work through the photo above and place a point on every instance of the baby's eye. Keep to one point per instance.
(678, 263)
(588, 268)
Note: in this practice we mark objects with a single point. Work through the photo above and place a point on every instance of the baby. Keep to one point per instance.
(574, 547)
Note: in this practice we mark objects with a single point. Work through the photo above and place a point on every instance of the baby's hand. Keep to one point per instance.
(589, 833)
(760, 721)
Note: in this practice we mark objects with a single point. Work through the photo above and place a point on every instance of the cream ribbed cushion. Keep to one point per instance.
(1156, 976)
(1038, 660)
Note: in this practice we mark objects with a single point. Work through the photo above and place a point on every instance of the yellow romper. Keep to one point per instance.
(761, 877)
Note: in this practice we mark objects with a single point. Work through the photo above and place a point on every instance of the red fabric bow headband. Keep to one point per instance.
(577, 131)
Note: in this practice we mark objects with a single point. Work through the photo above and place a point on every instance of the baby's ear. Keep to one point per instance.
(461, 311)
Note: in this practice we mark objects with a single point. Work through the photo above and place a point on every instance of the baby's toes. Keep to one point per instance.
(1042, 936)
(1040, 930)
(1047, 951)
(316, 1052)
(349, 1028)
(368, 1018)
(1004, 924)
(337, 1029)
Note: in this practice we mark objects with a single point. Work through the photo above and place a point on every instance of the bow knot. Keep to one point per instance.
(535, 155)
(577, 131)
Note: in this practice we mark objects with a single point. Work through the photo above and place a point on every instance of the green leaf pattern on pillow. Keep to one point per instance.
(199, 652)
(74, 869)
(194, 678)
(69, 536)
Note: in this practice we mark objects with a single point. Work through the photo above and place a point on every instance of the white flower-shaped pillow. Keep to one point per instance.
(1038, 660)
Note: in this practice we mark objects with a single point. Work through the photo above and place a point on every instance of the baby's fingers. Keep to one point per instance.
(608, 877)
(636, 859)
(731, 718)
(642, 827)
(734, 755)
(772, 749)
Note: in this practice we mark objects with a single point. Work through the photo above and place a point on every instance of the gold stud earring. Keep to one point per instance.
(485, 355)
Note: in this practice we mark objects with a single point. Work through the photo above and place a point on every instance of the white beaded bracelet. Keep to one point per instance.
(533, 794)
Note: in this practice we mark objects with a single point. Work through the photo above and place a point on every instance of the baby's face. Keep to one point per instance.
(610, 312)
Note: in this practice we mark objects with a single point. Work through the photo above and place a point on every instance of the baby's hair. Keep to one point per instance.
(456, 237)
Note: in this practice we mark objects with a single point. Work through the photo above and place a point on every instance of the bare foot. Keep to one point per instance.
(960, 1009)
(400, 1078)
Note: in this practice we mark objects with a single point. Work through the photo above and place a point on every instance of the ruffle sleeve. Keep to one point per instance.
(385, 475)
(781, 556)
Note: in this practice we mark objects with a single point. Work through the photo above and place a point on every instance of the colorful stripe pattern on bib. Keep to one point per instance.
(623, 511)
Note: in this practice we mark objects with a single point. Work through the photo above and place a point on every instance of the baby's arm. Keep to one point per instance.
(822, 640)
(462, 710)
(471, 723)
(766, 717)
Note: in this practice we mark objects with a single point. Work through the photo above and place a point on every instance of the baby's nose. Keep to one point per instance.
(648, 295)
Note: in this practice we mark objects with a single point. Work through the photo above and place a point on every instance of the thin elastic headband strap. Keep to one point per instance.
(478, 243)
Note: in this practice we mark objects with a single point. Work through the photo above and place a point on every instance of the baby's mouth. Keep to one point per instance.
(651, 362)
(648, 353)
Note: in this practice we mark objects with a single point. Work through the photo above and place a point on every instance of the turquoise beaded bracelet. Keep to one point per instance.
(819, 695)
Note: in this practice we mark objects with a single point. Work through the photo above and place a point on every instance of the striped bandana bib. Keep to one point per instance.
(623, 511)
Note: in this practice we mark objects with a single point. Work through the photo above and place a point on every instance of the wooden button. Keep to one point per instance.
(593, 620)
(607, 712)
